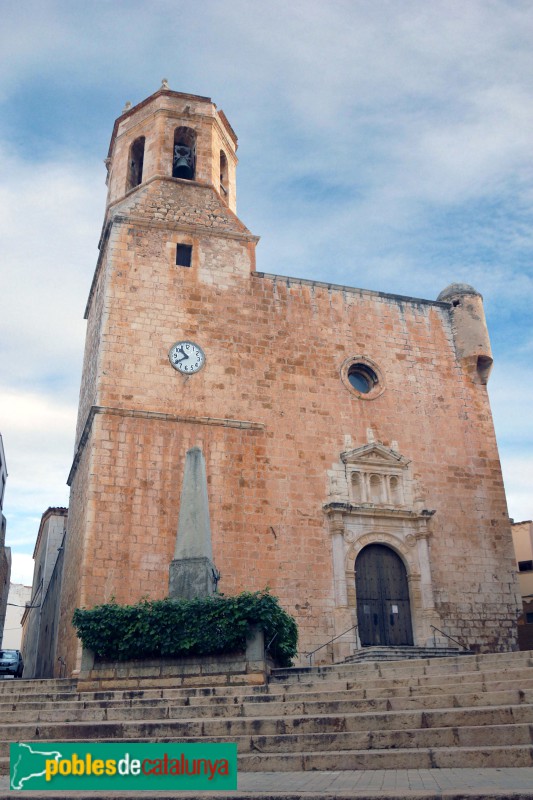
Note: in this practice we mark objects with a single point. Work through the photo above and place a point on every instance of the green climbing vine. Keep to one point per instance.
(204, 626)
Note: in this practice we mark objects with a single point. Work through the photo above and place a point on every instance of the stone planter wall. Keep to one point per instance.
(251, 667)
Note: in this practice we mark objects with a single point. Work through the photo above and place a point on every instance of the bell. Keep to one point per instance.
(183, 166)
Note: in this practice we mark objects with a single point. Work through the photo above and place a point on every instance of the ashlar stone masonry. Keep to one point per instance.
(351, 459)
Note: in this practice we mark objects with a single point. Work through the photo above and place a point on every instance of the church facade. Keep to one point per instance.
(350, 453)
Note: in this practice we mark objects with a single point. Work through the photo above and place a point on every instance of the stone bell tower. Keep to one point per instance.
(170, 233)
(172, 135)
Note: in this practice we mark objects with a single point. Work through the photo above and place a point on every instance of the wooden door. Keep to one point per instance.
(383, 608)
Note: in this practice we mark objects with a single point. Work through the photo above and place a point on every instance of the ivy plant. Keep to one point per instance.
(204, 626)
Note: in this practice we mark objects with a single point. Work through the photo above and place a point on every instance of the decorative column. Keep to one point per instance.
(337, 547)
(429, 612)
(342, 619)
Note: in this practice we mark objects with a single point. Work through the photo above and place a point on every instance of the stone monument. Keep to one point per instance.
(192, 572)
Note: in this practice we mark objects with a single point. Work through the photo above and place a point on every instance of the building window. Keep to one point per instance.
(183, 255)
(362, 378)
(136, 161)
(525, 566)
(184, 154)
(529, 617)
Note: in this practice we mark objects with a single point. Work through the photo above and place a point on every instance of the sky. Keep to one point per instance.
(382, 144)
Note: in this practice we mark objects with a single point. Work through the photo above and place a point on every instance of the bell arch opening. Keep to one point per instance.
(136, 163)
(382, 592)
(184, 154)
(223, 174)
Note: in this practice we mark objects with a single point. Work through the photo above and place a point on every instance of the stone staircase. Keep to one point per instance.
(398, 653)
(462, 711)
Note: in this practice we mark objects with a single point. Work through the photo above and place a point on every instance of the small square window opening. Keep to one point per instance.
(183, 255)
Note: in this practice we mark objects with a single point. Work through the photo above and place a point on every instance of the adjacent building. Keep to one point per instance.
(19, 596)
(40, 619)
(523, 547)
(5, 552)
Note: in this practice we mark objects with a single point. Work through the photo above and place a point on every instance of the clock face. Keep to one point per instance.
(186, 357)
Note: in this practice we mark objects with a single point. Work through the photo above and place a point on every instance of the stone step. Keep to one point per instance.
(236, 726)
(397, 653)
(168, 709)
(7, 685)
(374, 687)
(426, 666)
(415, 758)
(435, 663)
(391, 682)
(462, 711)
(339, 671)
(399, 668)
(471, 736)
(429, 696)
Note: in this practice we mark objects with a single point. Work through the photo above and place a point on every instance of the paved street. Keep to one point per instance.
(385, 784)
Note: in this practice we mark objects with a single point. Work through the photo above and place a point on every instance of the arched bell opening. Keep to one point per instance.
(382, 591)
(223, 174)
(184, 154)
(136, 162)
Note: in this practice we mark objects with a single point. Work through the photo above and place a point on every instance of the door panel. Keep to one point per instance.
(383, 608)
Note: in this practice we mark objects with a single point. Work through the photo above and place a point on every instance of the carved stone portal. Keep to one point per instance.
(374, 499)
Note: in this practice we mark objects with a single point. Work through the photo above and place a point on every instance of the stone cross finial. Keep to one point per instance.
(127, 106)
(164, 84)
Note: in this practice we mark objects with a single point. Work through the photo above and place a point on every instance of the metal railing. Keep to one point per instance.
(448, 637)
(311, 654)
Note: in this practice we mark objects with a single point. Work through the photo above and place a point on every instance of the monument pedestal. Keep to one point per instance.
(192, 577)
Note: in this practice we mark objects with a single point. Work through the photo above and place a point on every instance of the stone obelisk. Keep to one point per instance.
(192, 572)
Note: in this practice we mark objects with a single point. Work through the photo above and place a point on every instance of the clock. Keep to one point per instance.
(186, 357)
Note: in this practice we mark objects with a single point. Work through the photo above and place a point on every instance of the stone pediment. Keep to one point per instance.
(374, 455)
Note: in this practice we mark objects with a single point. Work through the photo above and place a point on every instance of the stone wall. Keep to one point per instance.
(274, 412)
(272, 417)
(250, 668)
(47, 665)
(5, 574)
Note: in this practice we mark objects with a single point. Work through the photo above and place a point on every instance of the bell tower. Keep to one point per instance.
(172, 135)
(171, 250)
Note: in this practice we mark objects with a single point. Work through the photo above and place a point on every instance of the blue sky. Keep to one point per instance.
(382, 144)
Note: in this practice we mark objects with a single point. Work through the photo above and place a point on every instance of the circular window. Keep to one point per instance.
(362, 378)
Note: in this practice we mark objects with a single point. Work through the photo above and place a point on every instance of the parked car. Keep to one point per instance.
(11, 663)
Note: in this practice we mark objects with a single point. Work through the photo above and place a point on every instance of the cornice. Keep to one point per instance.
(151, 415)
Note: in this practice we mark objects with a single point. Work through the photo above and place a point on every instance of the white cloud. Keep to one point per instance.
(50, 214)
(38, 434)
(22, 568)
(518, 478)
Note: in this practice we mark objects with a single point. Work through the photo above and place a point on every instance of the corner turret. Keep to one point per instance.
(470, 333)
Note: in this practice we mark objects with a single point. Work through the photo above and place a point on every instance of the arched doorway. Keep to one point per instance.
(383, 608)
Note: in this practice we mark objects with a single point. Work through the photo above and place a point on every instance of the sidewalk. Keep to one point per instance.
(423, 784)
